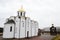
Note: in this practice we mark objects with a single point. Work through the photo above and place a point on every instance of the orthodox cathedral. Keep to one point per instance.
(20, 26)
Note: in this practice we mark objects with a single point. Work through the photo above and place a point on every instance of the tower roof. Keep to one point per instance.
(21, 9)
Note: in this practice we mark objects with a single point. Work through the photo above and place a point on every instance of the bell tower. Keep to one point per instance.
(21, 12)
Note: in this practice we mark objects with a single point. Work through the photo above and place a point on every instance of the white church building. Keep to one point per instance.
(20, 26)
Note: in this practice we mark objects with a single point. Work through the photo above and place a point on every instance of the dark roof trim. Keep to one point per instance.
(10, 21)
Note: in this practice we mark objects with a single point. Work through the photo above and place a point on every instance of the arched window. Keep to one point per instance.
(11, 29)
(21, 13)
(23, 23)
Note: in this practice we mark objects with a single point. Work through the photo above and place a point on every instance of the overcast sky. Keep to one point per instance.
(45, 12)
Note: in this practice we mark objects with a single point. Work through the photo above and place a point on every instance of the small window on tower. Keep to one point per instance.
(11, 29)
(21, 13)
(24, 13)
(23, 23)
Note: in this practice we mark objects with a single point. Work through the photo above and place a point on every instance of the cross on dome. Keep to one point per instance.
(21, 9)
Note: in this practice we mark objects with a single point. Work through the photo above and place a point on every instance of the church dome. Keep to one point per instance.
(21, 9)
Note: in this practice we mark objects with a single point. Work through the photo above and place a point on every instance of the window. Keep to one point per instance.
(23, 23)
(28, 23)
(21, 13)
(11, 29)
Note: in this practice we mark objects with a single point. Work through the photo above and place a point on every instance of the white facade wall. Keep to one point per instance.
(34, 28)
(32, 25)
(7, 33)
(17, 27)
(28, 26)
(37, 28)
(22, 28)
(30, 32)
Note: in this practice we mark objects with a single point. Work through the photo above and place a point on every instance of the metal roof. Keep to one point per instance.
(10, 21)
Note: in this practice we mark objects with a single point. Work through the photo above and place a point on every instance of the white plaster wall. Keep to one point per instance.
(6, 32)
(34, 28)
(22, 28)
(32, 24)
(20, 31)
(28, 26)
(31, 27)
(37, 26)
(17, 27)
